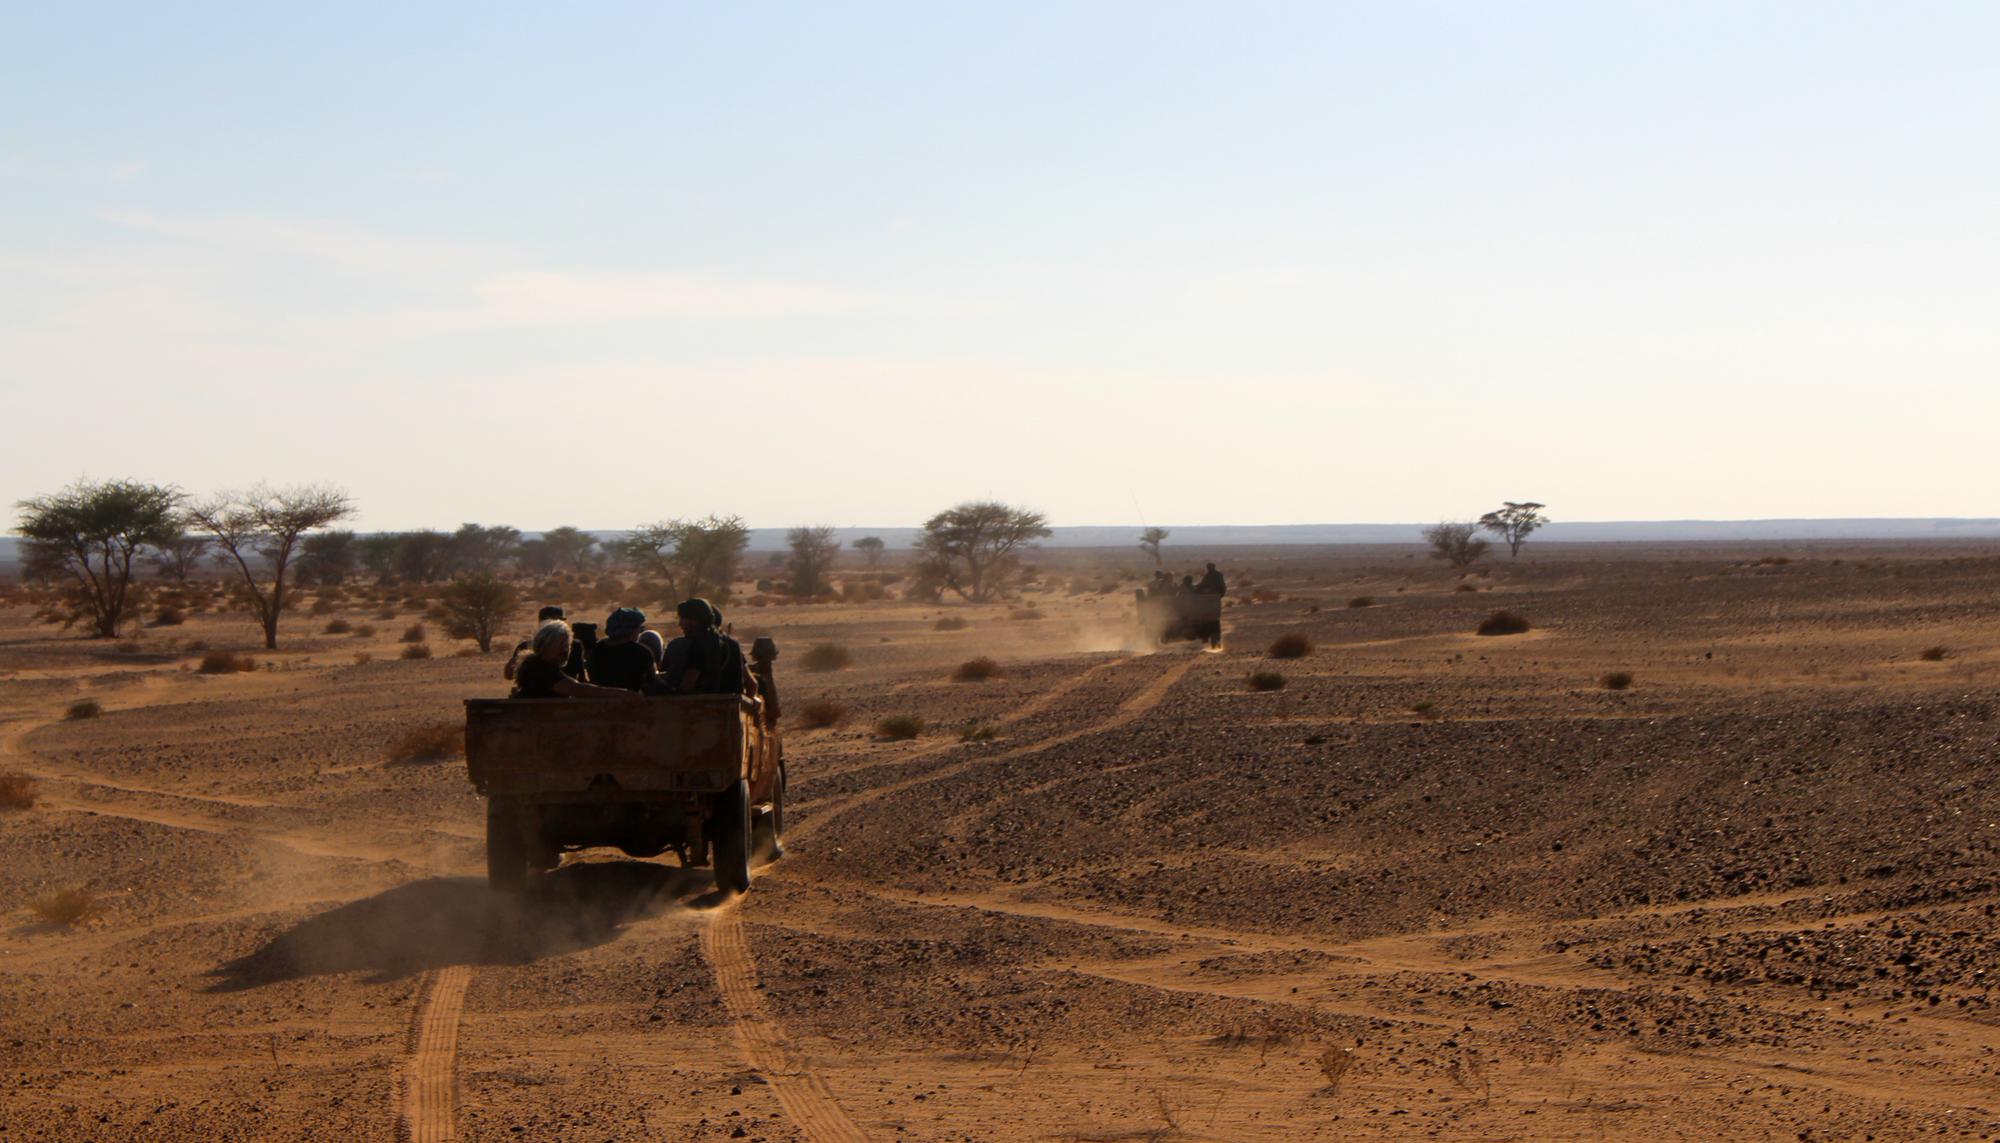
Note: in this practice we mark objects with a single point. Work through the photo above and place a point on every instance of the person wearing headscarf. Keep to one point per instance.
(541, 674)
(703, 660)
(619, 659)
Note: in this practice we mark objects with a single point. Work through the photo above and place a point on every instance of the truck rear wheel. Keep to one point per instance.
(730, 836)
(767, 833)
(506, 849)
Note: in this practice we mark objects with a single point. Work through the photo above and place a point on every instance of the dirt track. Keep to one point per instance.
(1437, 885)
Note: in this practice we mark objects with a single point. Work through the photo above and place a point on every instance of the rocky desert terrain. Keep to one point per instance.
(1711, 851)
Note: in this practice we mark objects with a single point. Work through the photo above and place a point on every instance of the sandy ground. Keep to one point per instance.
(1438, 885)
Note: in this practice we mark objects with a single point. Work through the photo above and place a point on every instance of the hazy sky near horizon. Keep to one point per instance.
(1242, 263)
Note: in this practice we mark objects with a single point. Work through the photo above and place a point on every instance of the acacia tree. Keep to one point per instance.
(569, 547)
(1512, 522)
(423, 556)
(813, 552)
(263, 527)
(326, 558)
(870, 548)
(1150, 541)
(1456, 543)
(91, 531)
(692, 557)
(475, 605)
(178, 554)
(974, 545)
(481, 549)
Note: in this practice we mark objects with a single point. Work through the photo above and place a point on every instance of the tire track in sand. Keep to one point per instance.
(431, 1088)
(803, 1094)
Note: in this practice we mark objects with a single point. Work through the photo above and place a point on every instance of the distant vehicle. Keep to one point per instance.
(1171, 617)
(698, 774)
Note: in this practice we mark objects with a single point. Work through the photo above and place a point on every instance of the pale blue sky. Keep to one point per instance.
(849, 263)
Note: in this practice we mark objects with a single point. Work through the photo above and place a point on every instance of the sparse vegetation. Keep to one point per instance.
(1423, 707)
(1456, 542)
(900, 727)
(826, 657)
(82, 709)
(980, 733)
(1266, 681)
(473, 607)
(17, 792)
(976, 670)
(820, 713)
(1502, 623)
(950, 623)
(365, 631)
(1291, 645)
(1934, 654)
(361, 657)
(1512, 522)
(260, 529)
(225, 662)
(64, 906)
(1465, 587)
(432, 743)
(1616, 680)
(1362, 601)
(1026, 614)
(414, 633)
(338, 627)
(169, 617)
(972, 549)
(416, 651)
(87, 535)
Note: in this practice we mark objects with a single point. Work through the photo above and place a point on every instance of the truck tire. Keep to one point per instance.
(730, 838)
(506, 849)
(767, 832)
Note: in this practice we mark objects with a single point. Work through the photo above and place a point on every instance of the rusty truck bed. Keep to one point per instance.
(595, 748)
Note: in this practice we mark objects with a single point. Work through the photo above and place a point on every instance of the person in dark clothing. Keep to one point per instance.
(574, 668)
(1187, 585)
(763, 653)
(619, 659)
(703, 660)
(1211, 584)
(541, 674)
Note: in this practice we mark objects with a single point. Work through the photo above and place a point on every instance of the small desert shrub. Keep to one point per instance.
(338, 627)
(361, 657)
(433, 743)
(1291, 645)
(1616, 680)
(386, 613)
(1026, 613)
(414, 633)
(64, 906)
(826, 657)
(1933, 654)
(168, 617)
(225, 662)
(1502, 623)
(976, 670)
(83, 708)
(17, 792)
(323, 606)
(417, 651)
(1266, 681)
(821, 713)
(1362, 601)
(980, 733)
(1465, 587)
(365, 631)
(1422, 706)
(900, 727)
(950, 623)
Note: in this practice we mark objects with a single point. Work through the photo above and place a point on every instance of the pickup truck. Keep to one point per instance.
(701, 775)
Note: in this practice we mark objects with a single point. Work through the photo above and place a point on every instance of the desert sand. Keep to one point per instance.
(1438, 885)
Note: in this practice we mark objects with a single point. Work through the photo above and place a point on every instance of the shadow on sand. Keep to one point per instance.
(443, 921)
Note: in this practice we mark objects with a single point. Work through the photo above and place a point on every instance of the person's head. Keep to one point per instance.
(651, 641)
(1187, 581)
(548, 613)
(695, 615)
(622, 625)
(552, 641)
(1211, 567)
(763, 649)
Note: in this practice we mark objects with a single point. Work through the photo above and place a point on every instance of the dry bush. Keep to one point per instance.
(981, 733)
(361, 657)
(826, 657)
(1616, 680)
(17, 792)
(1266, 681)
(386, 613)
(433, 743)
(1291, 645)
(365, 631)
(950, 623)
(1362, 601)
(338, 627)
(821, 713)
(64, 906)
(1933, 654)
(1465, 587)
(169, 617)
(83, 708)
(416, 651)
(414, 633)
(1502, 623)
(1422, 706)
(225, 662)
(900, 727)
(976, 670)
(323, 606)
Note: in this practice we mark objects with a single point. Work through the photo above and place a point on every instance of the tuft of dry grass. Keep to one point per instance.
(1362, 601)
(976, 670)
(17, 792)
(337, 627)
(416, 651)
(900, 727)
(820, 713)
(1616, 680)
(1266, 681)
(1502, 623)
(1291, 645)
(826, 657)
(83, 708)
(1423, 707)
(950, 623)
(169, 617)
(414, 633)
(1934, 654)
(225, 662)
(64, 906)
(434, 742)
